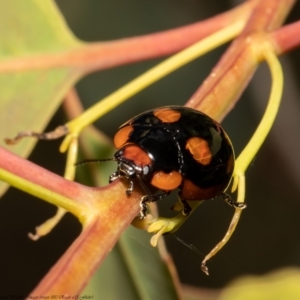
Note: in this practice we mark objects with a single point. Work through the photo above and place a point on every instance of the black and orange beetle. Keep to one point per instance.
(174, 147)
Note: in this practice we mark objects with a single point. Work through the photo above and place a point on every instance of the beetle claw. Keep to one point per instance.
(143, 206)
(233, 203)
(204, 268)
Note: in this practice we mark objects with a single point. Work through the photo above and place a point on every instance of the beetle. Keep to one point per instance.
(174, 147)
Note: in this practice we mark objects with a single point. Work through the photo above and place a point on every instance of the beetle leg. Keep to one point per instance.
(130, 189)
(150, 198)
(186, 207)
(233, 203)
(114, 176)
(153, 198)
(143, 206)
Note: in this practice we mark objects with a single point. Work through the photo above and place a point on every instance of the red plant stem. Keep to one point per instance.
(267, 16)
(101, 55)
(222, 88)
(111, 213)
(90, 57)
(71, 273)
(286, 38)
(40, 176)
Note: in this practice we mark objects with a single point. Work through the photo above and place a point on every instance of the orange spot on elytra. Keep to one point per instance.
(199, 149)
(137, 155)
(122, 136)
(166, 181)
(167, 115)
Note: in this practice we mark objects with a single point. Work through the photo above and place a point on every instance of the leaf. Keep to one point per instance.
(29, 97)
(282, 284)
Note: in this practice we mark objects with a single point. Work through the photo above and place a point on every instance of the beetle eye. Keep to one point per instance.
(146, 170)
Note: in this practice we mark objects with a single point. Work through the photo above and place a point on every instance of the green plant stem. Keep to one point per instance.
(149, 77)
(41, 192)
(265, 125)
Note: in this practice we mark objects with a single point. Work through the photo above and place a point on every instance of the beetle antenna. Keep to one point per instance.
(92, 161)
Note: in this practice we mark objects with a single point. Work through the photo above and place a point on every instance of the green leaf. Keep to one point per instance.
(35, 30)
(32, 26)
(281, 284)
(31, 30)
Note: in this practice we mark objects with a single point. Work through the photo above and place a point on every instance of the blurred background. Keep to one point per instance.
(267, 237)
